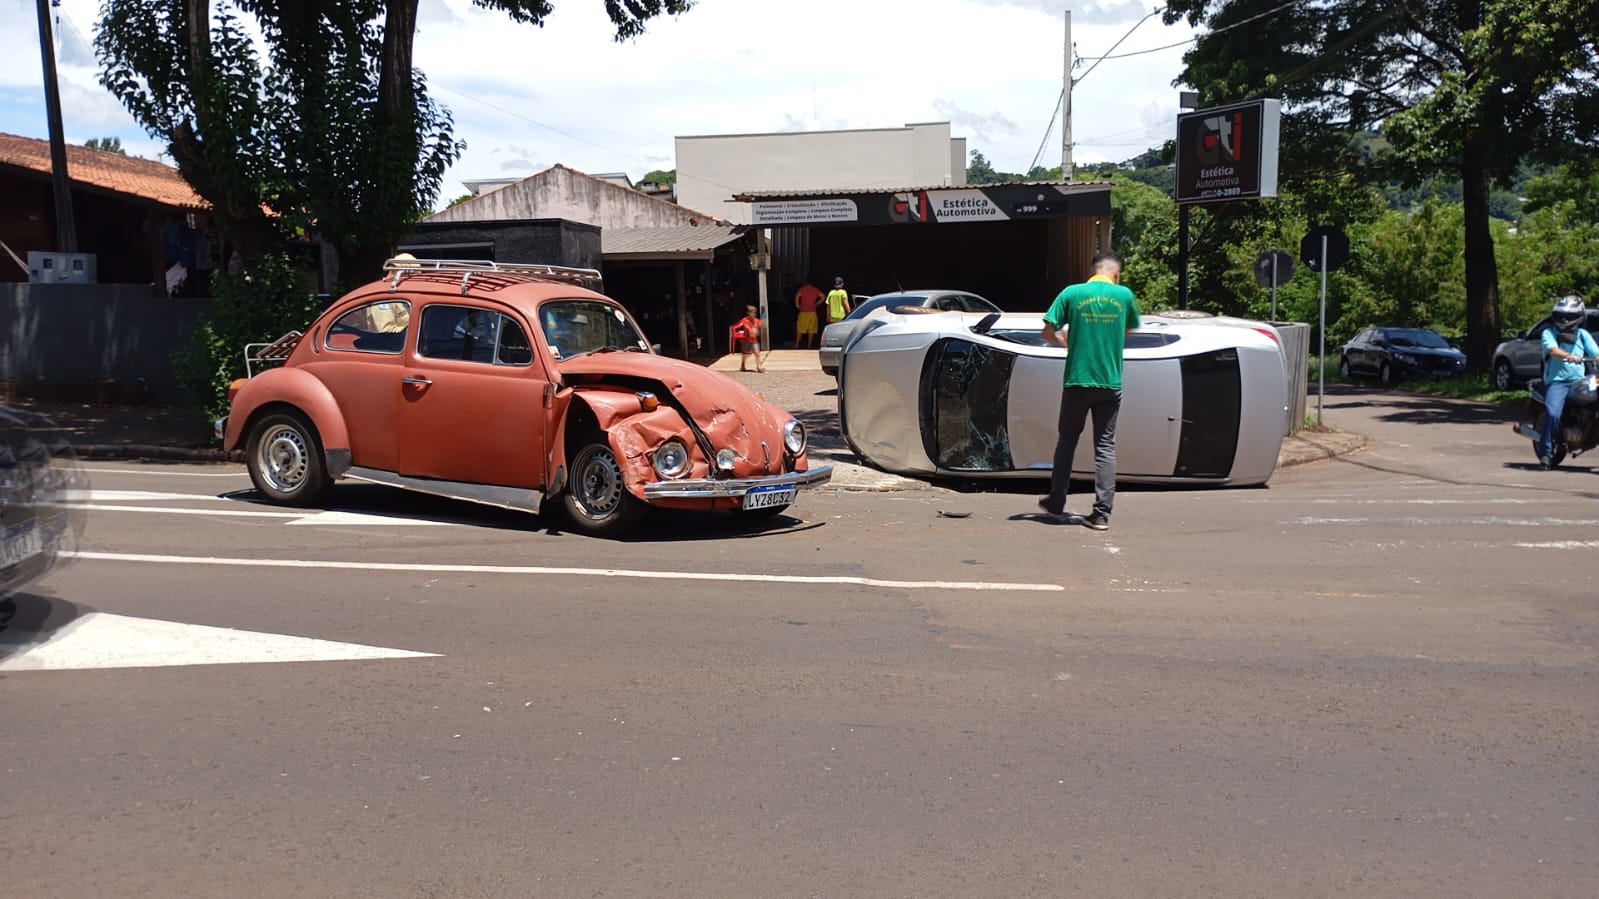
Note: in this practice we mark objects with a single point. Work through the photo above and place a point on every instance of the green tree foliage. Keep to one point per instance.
(106, 145)
(272, 300)
(300, 118)
(661, 176)
(291, 120)
(1467, 88)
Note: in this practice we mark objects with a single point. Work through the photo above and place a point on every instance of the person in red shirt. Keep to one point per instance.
(806, 299)
(747, 332)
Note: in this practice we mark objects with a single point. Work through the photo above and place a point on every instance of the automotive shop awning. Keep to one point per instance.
(677, 243)
(930, 205)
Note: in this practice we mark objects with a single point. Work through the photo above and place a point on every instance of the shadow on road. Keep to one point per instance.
(27, 619)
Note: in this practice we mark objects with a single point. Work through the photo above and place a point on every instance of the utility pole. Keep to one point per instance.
(66, 226)
(1066, 109)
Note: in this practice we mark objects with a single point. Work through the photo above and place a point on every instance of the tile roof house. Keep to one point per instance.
(131, 213)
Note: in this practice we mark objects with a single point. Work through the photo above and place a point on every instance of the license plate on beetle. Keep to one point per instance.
(21, 542)
(765, 497)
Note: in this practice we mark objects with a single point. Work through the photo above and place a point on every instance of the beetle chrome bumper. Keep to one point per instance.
(705, 488)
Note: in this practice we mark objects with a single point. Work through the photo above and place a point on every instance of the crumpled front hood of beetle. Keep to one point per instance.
(729, 414)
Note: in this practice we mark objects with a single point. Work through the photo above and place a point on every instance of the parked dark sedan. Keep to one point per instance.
(1389, 354)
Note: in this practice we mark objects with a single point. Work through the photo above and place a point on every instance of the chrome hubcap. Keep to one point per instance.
(284, 459)
(598, 486)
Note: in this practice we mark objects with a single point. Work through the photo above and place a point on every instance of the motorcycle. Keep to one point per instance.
(1579, 420)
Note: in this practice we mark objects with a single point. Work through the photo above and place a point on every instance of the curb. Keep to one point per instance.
(1300, 449)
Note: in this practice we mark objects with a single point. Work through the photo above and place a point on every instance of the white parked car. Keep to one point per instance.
(1204, 400)
(837, 334)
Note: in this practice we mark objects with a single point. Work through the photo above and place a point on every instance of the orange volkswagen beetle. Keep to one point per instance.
(512, 385)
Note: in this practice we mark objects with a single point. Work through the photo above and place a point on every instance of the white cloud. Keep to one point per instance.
(569, 93)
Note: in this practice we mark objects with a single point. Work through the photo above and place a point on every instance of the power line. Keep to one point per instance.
(1060, 102)
(1196, 38)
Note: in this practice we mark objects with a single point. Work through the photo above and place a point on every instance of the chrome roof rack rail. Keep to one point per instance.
(400, 267)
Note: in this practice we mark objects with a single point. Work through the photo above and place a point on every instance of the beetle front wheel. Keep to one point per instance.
(596, 496)
(284, 457)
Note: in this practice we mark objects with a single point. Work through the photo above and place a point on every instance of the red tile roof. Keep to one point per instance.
(142, 178)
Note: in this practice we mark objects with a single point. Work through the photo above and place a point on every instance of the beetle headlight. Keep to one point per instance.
(725, 459)
(794, 437)
(671, 459)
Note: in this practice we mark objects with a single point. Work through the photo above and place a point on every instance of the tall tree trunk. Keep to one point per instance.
(1482, 271)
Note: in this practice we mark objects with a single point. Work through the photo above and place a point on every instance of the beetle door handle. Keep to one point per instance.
(421, 382)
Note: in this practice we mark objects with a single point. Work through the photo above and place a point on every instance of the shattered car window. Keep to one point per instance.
(575, 327)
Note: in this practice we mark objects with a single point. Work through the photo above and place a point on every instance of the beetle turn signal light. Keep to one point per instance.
(648, 402)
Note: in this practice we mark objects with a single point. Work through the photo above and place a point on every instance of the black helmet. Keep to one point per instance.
(1568, 313)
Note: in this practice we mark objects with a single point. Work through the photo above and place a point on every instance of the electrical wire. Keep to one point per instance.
(1060, 102)
(1196, 38)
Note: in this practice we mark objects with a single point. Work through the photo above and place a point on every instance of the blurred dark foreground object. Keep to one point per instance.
(42, 488)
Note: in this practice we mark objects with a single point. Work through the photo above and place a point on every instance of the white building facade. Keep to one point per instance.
(711, 169)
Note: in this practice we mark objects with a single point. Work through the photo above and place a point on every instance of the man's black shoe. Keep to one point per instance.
(1545, 463)
(1098, 521)
(1056, 515)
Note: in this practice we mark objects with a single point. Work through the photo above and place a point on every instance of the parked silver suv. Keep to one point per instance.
(1520, 358)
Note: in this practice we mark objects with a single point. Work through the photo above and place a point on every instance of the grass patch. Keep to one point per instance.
(1477, 388)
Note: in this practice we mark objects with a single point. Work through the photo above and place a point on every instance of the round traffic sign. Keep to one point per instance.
(1273, 268)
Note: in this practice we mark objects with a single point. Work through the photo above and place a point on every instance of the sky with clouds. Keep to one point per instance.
(525, 98)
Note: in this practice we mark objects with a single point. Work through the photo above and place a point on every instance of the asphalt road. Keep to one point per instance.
(1376, 677)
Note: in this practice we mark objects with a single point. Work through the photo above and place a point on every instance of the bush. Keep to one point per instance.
(259, 305)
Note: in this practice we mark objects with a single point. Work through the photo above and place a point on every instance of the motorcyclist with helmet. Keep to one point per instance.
(1565, 345)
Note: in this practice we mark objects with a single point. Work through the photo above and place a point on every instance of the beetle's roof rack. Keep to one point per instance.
(399, 267)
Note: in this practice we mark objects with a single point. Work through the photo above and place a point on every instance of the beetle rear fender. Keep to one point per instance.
(298, 390)
(631, 432)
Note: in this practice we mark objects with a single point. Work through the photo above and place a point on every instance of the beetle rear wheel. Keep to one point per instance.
(596, 497)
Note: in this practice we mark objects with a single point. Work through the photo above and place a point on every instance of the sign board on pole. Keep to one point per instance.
(1228, 152)
(1274, 268)
(1328, 255)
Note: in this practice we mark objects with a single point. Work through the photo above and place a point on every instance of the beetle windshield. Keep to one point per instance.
(575, 327)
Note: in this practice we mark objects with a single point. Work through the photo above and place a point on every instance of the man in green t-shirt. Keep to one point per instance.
(1091, 321)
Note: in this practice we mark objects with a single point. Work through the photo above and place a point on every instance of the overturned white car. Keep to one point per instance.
(960, 395)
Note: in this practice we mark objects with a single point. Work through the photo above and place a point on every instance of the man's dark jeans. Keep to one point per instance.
(1076, 405)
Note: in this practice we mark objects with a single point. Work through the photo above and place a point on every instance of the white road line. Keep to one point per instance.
(169, 474)
(103, 640)
(1560, 544)
(741, 577)
(130, 496)
(365, 519)
(1434, 522)
(173, 510)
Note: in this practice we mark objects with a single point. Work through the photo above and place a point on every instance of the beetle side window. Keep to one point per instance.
(373, 328)
(459, 333)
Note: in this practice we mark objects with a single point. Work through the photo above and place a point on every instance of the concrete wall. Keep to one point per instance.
(712, 168)
(563, 193)
(72, 337)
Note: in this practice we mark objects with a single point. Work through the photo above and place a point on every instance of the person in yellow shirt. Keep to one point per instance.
(837, 302)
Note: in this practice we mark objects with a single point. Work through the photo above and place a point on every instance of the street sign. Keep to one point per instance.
(1227, 153)
(1274, 268)
(1336, 247)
